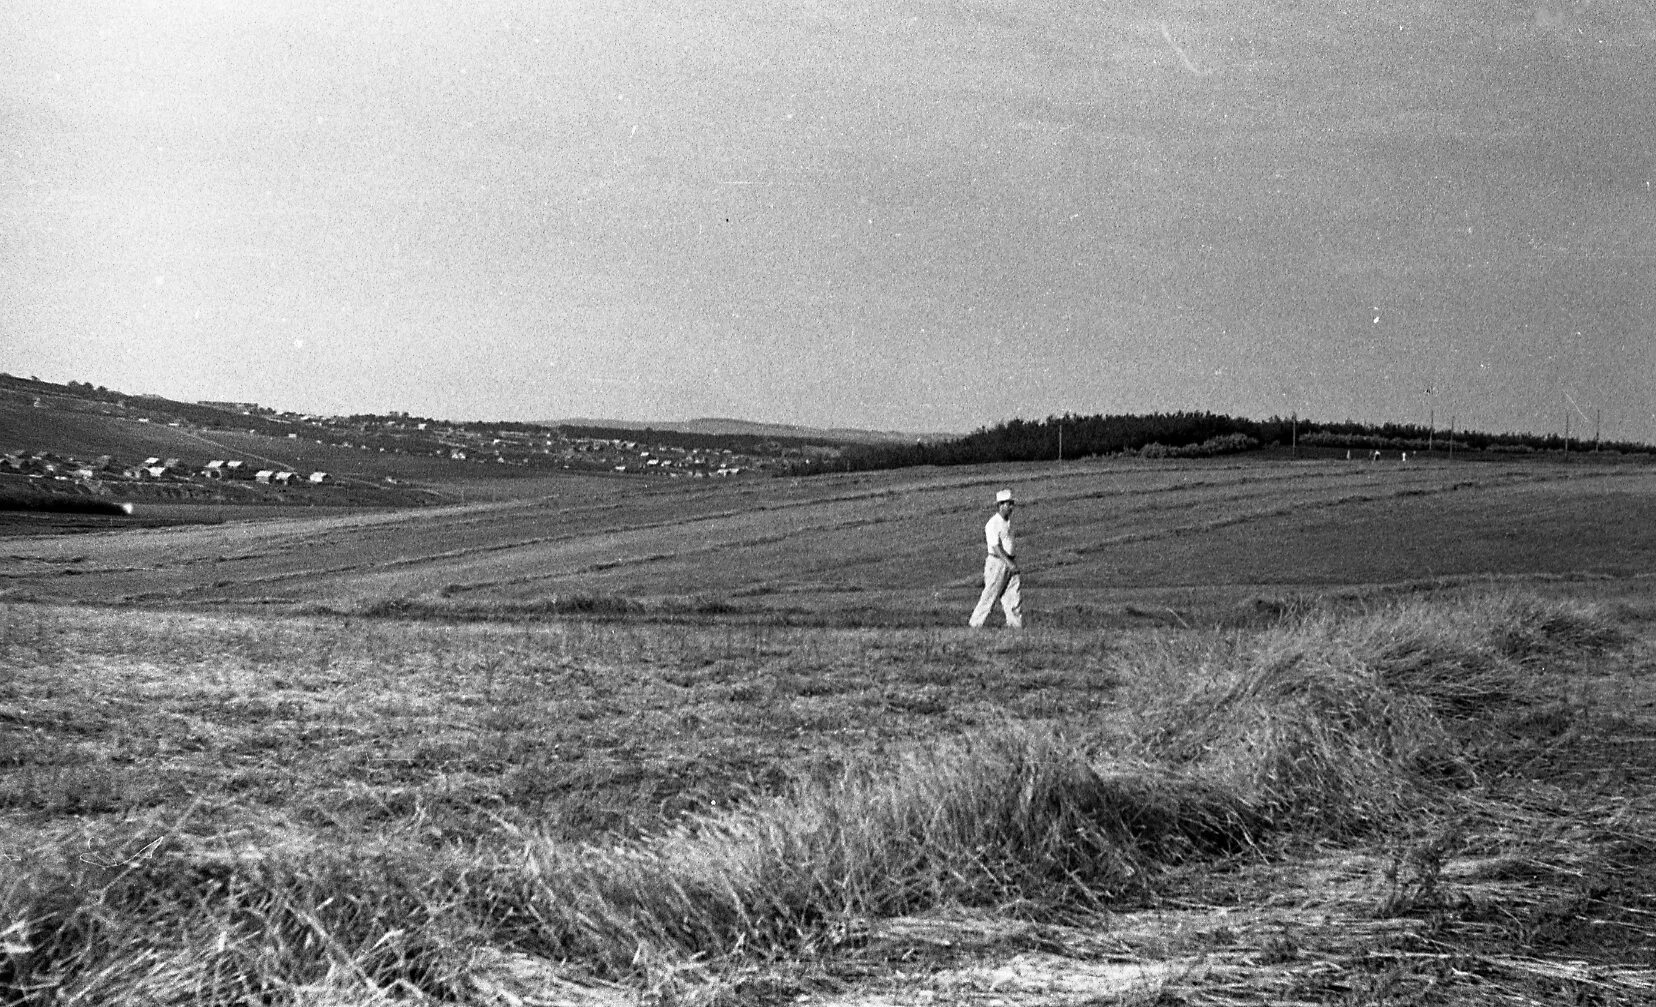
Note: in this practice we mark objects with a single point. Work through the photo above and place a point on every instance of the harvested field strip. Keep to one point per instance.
(1277, 509)
(1096, 524)
(720, 537)
(682, 525)
(1248, 480)
(731, 537)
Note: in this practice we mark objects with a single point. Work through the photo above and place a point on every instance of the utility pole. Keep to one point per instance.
(1598, 422)
(1431, 414)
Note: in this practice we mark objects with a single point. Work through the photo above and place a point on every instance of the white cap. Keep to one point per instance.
(1004, 496)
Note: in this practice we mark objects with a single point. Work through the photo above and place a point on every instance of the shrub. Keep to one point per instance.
(1224, 445)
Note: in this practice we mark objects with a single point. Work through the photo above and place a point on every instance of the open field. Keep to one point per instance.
(1102, 542)
(1279, 733)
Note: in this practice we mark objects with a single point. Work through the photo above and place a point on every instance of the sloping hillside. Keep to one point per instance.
(80, 424)
(86, 423)
(1152, 540)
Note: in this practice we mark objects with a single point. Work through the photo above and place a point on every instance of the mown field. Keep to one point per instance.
(1102, 542)
(1277, 734)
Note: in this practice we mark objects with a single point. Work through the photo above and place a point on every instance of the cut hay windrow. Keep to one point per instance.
(1326, 725)
(1004, 820)
(1336, 721)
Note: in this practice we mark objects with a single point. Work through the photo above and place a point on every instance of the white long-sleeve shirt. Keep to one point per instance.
(998, 531)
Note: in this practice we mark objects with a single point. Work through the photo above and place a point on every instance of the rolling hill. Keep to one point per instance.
(1100, 540)
(79, 424)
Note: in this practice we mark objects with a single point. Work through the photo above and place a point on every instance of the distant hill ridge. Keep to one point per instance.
(723, 427)
(79, 423)
(707, 426)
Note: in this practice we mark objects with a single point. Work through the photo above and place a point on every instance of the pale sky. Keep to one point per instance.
(924, 216)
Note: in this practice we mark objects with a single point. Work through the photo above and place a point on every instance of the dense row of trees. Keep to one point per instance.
(1182, 434)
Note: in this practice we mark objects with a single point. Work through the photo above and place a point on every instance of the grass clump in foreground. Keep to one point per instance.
(1328, 727)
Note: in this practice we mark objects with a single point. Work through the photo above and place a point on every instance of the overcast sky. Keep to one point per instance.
(899, 215)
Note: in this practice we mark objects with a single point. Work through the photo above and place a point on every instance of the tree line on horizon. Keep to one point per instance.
(1188, 435)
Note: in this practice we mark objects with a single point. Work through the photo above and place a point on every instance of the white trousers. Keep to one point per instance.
(999, 584)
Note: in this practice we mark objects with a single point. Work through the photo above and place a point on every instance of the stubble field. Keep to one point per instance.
(1278, 733)
(1102, 541)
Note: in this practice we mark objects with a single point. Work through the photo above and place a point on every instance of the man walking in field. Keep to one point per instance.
(1000, 569)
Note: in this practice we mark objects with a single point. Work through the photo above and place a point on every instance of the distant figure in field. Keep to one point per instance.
(1000, 569)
